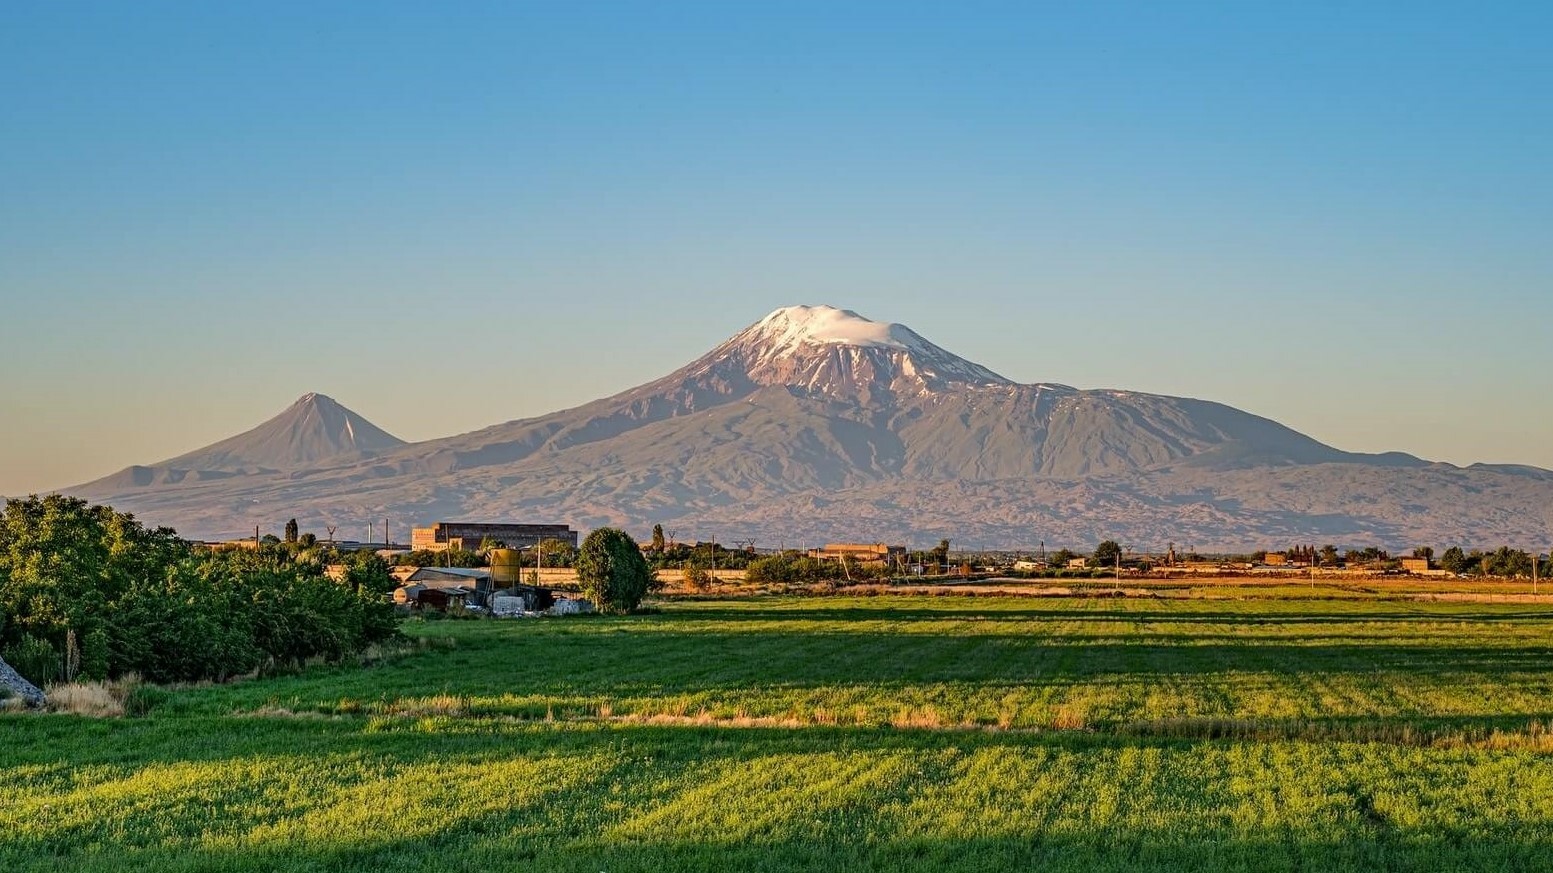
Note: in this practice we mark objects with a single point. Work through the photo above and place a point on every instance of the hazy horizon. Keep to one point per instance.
(1332, 217)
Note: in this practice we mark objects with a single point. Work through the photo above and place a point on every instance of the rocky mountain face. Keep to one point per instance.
(816, 423)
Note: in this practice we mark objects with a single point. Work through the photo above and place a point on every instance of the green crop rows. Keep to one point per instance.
(828, 733)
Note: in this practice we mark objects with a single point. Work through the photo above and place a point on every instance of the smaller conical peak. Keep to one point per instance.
(793, 326)
(314, 400)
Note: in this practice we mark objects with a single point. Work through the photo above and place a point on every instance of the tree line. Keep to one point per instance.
(90, 593)
(1503, 562)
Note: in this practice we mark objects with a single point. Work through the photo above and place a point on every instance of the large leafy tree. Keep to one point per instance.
(612, 571)
(1454, 560)
(62, 559)
(1107, 553)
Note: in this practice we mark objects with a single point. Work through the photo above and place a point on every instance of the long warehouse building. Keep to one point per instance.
(469, 535)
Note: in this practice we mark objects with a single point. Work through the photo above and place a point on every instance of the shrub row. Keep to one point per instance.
(89, 592)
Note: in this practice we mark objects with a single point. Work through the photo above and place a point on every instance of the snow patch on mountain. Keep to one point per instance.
(790, 327)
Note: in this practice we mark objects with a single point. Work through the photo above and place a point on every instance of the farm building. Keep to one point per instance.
(476, 581)
(859, 553)
(1423, 567)
(468, 535)
(445, 599)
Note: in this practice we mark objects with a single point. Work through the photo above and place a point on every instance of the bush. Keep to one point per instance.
(698, 577)
(791, 567)
(35, 660)
(94, 655)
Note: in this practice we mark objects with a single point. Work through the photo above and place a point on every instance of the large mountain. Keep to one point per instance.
(816, 423)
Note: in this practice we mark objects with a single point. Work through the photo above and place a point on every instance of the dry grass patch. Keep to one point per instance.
(1070, 718)
(95, 699)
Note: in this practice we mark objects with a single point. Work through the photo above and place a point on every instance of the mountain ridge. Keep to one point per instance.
(819, 407)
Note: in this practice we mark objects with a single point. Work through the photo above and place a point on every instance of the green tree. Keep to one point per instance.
(557, 553)
(941, 553)
(62, 561)
(611, 570)
(144, 601)
(291, 531)
(1506, 562)
(1107, 554)
(657, 539)
(1329, 556)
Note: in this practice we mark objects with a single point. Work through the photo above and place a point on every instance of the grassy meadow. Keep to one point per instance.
(965, 733)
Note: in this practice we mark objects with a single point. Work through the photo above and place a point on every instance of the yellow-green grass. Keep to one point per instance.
(1011, 663)
(830, 733)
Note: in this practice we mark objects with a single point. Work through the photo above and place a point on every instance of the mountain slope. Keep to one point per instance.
(817, 422)
(855, 401)
(315, 429)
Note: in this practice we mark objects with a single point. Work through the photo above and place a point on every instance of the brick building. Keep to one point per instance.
(468, 535)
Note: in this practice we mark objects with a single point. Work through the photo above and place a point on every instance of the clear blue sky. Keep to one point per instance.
(1336, 215)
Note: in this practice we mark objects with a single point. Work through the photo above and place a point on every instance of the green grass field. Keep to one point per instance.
(876, 733)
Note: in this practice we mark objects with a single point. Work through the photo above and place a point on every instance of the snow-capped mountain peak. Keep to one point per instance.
(828, 349)
(790, 327)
